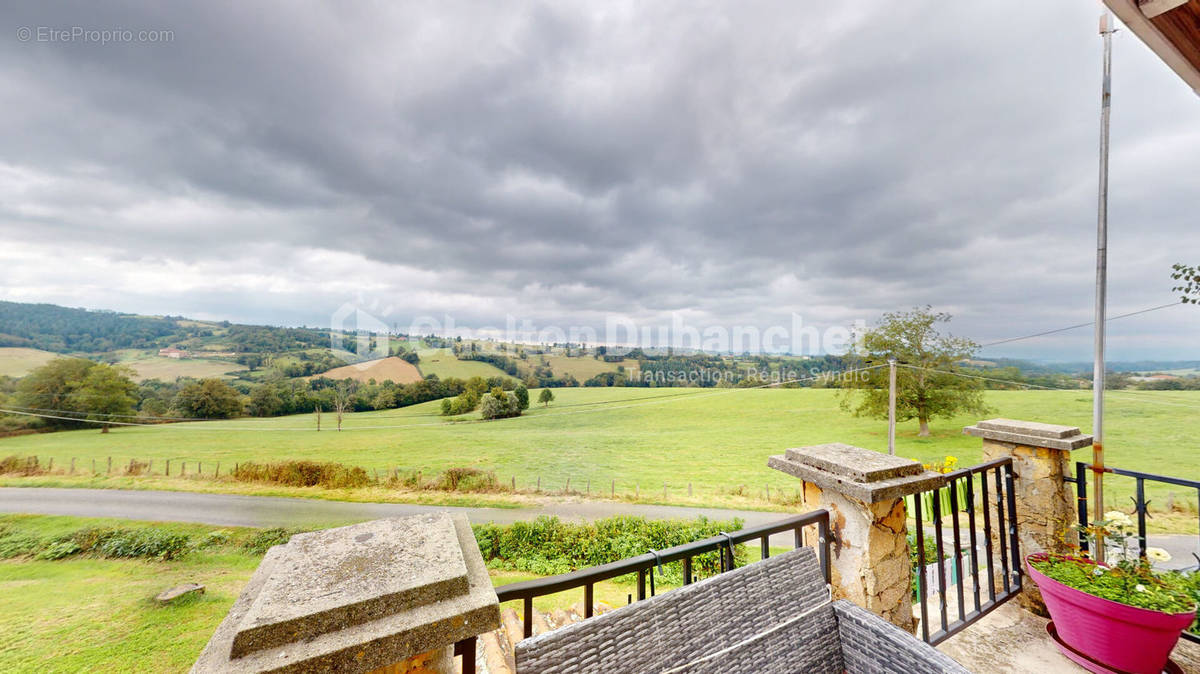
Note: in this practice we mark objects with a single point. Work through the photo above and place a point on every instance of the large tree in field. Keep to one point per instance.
(925, 386)
(52, 387)
(208, 399)
(107, 393)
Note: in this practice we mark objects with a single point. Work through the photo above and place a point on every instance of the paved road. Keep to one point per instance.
(270, 511)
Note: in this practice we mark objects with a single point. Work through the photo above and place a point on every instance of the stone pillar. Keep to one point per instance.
(864, 492)
(390, 596)
(1046, 506)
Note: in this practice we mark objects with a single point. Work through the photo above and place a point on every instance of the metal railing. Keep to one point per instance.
(644, 565)
(998, 498)
(1140, 503)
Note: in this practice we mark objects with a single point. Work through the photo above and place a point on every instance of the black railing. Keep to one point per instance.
(644, 565)
(1140, 503)
(968, 490)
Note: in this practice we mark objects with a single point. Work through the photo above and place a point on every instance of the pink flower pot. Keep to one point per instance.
(1124, 638)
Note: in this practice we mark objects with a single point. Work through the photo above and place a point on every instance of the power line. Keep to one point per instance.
(1129, 394)
(1078, 325)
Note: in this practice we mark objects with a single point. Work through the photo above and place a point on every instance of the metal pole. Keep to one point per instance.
(1106, 30)
(892, 406)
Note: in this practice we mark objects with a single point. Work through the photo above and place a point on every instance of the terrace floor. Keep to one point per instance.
(1011, 639)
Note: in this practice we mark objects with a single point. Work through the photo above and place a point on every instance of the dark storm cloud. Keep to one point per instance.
(555, 161)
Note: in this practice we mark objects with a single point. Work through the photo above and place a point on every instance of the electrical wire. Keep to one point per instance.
(1078, 325)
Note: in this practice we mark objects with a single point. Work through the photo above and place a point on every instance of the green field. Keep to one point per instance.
(18, 361)
(582, 368)
(88, 613)
(444, 364)
(714, 439)
(148, 365)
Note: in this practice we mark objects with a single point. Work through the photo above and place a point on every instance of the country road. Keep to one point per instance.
(272, 511)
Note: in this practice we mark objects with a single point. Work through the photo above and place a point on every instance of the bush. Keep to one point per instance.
(303, 474)
(137, 467)
(150, 542)
(21, 465)
(499, 405)
(466, 479)
(58, 549)
(268, 538)
(549, 546)
(15, 543)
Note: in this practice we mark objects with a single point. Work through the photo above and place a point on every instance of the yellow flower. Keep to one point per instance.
(1157, 555)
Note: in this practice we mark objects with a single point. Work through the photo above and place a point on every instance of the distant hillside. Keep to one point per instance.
(63, 330)
(1126, 366)
(50, 327)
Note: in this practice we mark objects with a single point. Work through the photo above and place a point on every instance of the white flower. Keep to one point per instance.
(1097, 571)
(1140, 588)
(1118, 518)
(1157, 555)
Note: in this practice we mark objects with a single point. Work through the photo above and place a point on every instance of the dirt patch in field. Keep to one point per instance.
(393, 368)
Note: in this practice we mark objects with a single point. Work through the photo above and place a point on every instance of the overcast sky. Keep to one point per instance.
(733, 163)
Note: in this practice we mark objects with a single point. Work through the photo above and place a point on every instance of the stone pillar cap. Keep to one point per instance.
(357, 598)
(859, 473)
(1030, 433)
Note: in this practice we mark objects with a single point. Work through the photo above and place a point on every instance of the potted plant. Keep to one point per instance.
(1119, 617)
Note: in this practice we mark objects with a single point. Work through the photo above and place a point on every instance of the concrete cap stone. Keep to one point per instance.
(859, 473)
(331, 579)
(1030, 433)
(861, 465)
(358, 598)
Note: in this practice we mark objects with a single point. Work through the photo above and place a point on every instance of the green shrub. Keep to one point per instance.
(58, 549)
(15, 543)
(466, 479)
(148, 543)
(268, 538)
(303, 474)
(548, 546)
(1188, 582)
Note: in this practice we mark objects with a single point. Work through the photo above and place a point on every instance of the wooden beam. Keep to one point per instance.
(1152, 8)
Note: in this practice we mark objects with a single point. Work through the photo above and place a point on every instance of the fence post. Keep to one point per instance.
(168, 468)
(110, 465)
(1041, 456)
(864, 493)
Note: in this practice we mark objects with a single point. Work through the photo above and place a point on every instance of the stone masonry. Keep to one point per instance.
(864, 492)
(1046, 507)
(390, 596)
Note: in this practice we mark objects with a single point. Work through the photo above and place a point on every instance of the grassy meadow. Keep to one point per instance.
(18, 361)
(445, 364)
(87, 612)
(716, 440)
